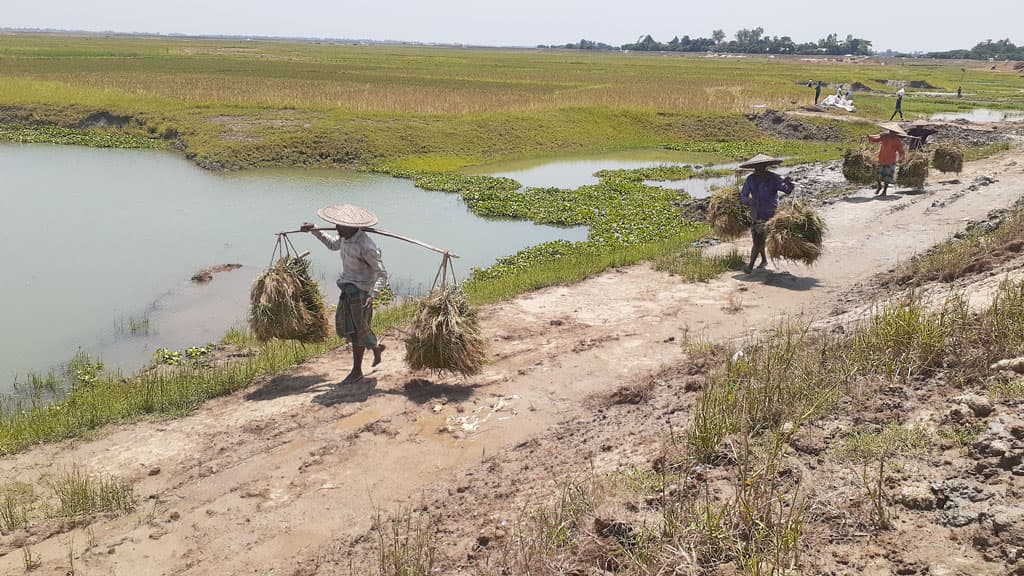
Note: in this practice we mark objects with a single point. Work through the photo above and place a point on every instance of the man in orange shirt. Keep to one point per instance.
(891, 152)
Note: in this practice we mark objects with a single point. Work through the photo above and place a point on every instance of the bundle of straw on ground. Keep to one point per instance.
(859, 167)
(913, 171)
(728, 216)
(285, 303)
(445, 334)
(795, 233)
(948, 158)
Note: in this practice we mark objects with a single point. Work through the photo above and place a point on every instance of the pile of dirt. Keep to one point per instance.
(103, 120)
(781, 125)
(919, 84)
(819, 182)
(968, 135)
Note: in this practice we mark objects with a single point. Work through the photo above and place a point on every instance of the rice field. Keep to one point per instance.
(234, 103)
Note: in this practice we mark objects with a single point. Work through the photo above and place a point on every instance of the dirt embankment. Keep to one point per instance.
(291, 475)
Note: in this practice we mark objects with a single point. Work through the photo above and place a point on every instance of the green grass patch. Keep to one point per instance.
(981, 152)
(663, 173)
(693, 265)
(794, 151)
(96, 138)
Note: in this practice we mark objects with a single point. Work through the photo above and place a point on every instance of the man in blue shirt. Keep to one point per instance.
(761, 192)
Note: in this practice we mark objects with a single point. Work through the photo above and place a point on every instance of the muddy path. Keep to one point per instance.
(294, 468)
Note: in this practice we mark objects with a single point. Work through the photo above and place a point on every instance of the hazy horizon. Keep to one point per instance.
(529, 23)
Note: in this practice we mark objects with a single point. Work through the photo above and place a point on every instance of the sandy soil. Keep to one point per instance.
(286, 477)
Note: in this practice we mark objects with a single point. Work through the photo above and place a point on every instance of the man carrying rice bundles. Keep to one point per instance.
(890, 153)
(761, 192)
(362, 278)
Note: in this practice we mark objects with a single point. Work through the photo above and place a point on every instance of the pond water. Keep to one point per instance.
(573, 172)
(99, 247)
(982, 115)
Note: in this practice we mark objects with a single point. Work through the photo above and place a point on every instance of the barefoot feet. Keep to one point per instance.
(377, 353)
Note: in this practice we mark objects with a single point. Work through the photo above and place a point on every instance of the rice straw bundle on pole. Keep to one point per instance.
(795, 233)
(913, 171)
(285, 302)
(728, 216)
(948, 158)
(445, 333)
(859, 167)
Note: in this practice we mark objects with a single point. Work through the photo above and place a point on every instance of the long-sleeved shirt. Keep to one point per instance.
(361, 262)
(761, 193)
(891, 145)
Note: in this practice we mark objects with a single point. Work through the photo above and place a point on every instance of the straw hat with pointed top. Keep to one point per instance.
(893, 127)
(761, 160)
(348, 215)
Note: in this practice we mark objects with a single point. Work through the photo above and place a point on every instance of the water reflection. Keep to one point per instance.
(981, 115)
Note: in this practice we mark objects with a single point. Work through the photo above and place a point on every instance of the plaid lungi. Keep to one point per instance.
(887, 173)
(353, 318)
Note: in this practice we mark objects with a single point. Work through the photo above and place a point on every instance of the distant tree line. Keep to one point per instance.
(745, 41)
(998, 50)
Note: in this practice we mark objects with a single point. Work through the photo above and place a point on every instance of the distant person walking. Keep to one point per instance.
(899, 105)
(889, 154)
(761, 192)
(817, 92)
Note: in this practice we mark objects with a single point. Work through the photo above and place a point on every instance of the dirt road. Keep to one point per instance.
(256, 481)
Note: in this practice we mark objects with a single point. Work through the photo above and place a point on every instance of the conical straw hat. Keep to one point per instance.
(893, 127)
(761, 160)
(348, 215)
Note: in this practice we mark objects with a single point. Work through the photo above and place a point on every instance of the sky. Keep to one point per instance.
(902, 25)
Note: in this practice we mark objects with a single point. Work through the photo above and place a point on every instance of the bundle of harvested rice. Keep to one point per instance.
(913, 171)
(859, 167)
(728, 216)
(795, 233)
(285, 303)
(948, 158)
(445, 334)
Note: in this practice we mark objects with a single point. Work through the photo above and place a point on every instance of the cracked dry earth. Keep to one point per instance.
(287, 476)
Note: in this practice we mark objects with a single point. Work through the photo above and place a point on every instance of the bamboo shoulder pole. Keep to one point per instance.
(384, 233)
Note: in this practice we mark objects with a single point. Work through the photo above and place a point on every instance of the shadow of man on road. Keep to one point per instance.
(783, 280)
(286, 385)
(417, 390)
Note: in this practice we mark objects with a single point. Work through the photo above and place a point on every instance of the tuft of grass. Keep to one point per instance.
(81, 494)
(16, 502)
(30, 560)
(646, 481)
(712, 423)
(873, 453)
(406, 544)
(693, 265)
(962, 436)
(902, 340)
(1006, 389)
